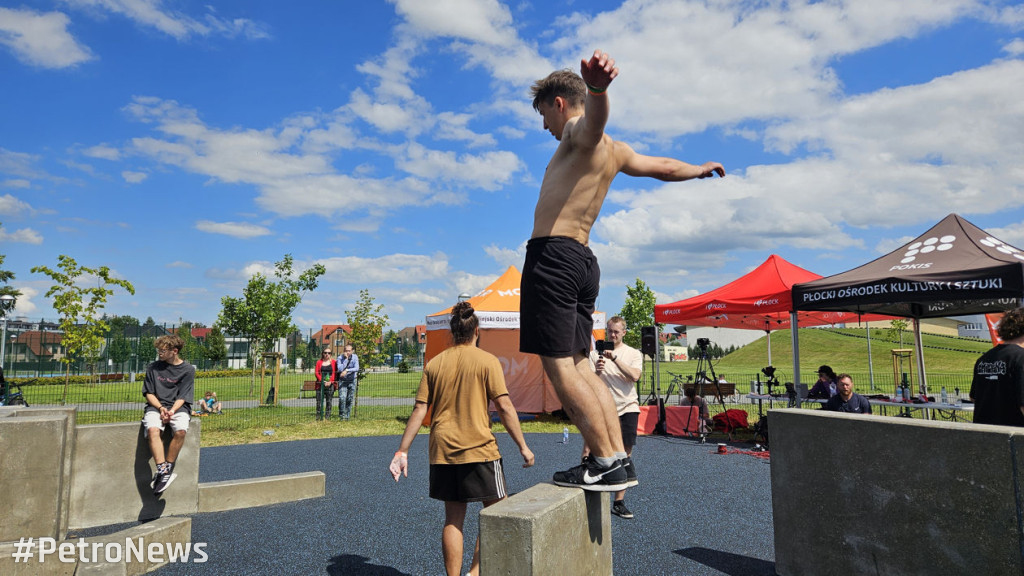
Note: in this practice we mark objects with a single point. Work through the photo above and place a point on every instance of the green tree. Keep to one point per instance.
(216, 345)
(192, 350)
(638, 311)
(146, 352)
(264, 312)
(312, 354)
(79, 308)
(119, 350)
(896, 328)
(121, 324)
(367, 321)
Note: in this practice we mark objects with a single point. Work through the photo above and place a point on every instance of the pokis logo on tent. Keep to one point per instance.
(921, 248)
(1002, 247)
(767, 302)
(716, 306)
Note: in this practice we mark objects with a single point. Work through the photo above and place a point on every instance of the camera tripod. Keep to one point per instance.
(700, 379)
(761, 427)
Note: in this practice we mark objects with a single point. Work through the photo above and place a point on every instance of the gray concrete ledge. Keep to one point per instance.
(547, 530)
(112, 469)
(166, 532)
(857, 494)
(249, 492)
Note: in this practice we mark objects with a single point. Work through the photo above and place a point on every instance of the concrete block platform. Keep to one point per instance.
(112, 469)
(856, 494)
(60, 476)
(168, 534)
(547, 530)
(249, 492)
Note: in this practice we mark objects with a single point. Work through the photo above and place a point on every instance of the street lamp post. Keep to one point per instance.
(6, 303)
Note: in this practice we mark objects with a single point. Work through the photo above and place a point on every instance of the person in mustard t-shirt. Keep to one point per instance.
(465, 465)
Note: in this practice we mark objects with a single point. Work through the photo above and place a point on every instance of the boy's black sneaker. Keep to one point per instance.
(591, 476)
(163, 482)
(620, 510)
(163, 478)
(631, 480)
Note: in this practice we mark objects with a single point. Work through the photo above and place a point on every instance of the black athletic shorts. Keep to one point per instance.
(628, 422)
(472, 482)
(557, 295)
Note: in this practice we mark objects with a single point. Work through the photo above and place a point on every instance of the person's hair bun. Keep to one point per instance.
(463, 310)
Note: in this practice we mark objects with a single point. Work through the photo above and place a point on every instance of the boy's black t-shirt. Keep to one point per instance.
(169, 382)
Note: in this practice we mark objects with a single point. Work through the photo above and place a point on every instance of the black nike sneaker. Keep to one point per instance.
(591, 476)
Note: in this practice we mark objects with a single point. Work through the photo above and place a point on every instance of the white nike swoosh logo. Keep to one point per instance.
(588, 479)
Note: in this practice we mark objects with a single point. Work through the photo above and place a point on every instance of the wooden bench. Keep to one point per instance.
(307, 386)
(727, 388)
(111, 377)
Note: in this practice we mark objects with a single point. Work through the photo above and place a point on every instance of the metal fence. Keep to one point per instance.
(265, 400)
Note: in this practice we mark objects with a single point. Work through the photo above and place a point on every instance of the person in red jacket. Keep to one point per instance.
(326, 384)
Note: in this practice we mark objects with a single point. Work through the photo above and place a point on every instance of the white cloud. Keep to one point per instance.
(15, 183)
(133, 177)
(25, 305)
(488, 171)
(179, 264)
(507, 256)
(294, 180)
(24, 236)
(241, 230)
(153, 14)
(394, 268)
(1012, 234)
(878, 159)
(41, 39)
(688, 65)
(103, 152)
(10, 205)
(483, 21)
(1014, 48)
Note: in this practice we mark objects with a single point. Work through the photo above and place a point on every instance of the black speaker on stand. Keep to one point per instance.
(649, 347)
(649, 340)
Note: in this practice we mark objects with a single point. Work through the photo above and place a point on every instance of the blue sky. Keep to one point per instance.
(187, 145)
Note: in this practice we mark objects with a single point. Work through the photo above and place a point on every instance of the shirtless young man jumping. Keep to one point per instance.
(561, 275)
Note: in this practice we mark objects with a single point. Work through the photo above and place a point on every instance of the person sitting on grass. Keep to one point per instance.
(209, 404)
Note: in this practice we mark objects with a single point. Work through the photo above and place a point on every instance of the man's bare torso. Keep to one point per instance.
(574, 187)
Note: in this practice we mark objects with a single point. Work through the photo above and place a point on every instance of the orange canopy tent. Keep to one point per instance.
(497, 309)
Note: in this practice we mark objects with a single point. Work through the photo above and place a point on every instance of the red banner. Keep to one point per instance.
(993, 323)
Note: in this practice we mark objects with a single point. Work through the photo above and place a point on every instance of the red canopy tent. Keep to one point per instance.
(762, 299)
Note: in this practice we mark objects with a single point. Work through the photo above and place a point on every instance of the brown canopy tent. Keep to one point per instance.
(953, 269)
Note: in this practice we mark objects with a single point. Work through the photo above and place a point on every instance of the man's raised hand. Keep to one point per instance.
(599, 71)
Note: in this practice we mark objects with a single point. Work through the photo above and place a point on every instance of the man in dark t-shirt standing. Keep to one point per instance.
(168, 389)
(998, 386)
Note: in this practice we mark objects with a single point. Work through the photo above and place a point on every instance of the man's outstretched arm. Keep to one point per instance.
(661, 168)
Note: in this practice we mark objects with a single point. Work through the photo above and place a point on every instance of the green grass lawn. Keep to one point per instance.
(948, 361)
(240, 387)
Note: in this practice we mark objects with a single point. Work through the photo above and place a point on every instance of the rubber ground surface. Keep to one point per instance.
(697, 512)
